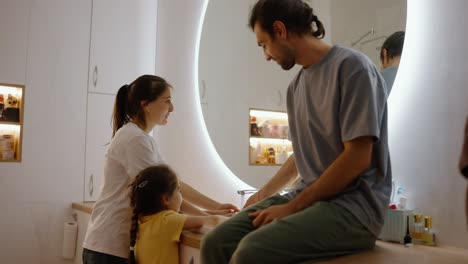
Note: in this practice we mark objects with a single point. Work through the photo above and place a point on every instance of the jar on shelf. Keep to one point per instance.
(7, 147)
(7, 142)
(2, 106)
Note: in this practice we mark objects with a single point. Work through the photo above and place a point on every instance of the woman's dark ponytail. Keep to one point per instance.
(120, 115)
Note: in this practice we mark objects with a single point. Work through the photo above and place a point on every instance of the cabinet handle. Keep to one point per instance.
(95, 76)
(91, 185)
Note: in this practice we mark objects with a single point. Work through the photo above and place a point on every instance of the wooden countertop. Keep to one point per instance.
(86, 207)
(383, 253)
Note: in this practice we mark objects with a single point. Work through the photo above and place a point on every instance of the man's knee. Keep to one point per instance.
(209, 241)
(212, 240)
(248, 251)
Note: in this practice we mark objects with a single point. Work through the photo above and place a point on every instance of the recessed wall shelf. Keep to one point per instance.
(11, 121)
(269, 133)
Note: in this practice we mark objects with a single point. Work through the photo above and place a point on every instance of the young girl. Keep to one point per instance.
(156, 224)
(139, 107)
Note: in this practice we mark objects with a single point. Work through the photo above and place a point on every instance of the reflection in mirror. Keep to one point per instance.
(234, 76)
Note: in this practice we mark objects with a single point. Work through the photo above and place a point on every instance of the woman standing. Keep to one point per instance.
(139, 107)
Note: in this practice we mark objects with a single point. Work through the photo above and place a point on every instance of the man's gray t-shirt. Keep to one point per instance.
(389, 75)
(341, 98)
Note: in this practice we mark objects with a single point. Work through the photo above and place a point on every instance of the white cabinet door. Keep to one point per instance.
(123, 43)
(98, 136)
(14, 25)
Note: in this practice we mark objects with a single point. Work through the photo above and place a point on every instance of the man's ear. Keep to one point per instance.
(280, 30)
(385, 56)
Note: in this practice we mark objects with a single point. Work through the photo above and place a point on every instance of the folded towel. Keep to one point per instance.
(464, 155)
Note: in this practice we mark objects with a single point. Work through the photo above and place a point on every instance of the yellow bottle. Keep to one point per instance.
(418, 229)
(428, 235)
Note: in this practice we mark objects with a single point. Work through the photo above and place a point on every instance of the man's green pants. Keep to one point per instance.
(321, 231)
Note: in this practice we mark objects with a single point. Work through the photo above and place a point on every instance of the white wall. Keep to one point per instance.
(36, 194)
(427, 110)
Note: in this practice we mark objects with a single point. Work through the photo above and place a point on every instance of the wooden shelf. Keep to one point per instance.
(264, 164)
(10, 123)
(274, 138)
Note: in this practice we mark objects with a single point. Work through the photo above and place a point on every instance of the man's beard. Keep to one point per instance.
(289, 60)
(287, 65)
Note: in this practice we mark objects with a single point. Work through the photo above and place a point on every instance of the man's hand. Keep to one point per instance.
(253, 199)
(263, 217)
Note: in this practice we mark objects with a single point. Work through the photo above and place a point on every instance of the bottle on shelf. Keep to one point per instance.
(281, 155)
(271, 156)
(407, 239)
(254, 130)
(428, 235)
(7, 147)
(418, 229)
(2, 106)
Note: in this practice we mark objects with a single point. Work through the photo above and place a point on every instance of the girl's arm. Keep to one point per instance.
(199, 221)
(188, 208)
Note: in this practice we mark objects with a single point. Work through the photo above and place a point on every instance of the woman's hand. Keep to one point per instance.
(224, 209)
(224, 212)
(263, 217)
(228, 206)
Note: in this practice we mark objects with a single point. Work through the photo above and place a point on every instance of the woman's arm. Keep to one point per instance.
(196, 198)
(199, 221)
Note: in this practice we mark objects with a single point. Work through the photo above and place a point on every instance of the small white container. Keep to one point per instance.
(394, 228)
(281, 158)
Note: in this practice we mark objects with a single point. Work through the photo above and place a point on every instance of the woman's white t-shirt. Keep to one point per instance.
(130, 151)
